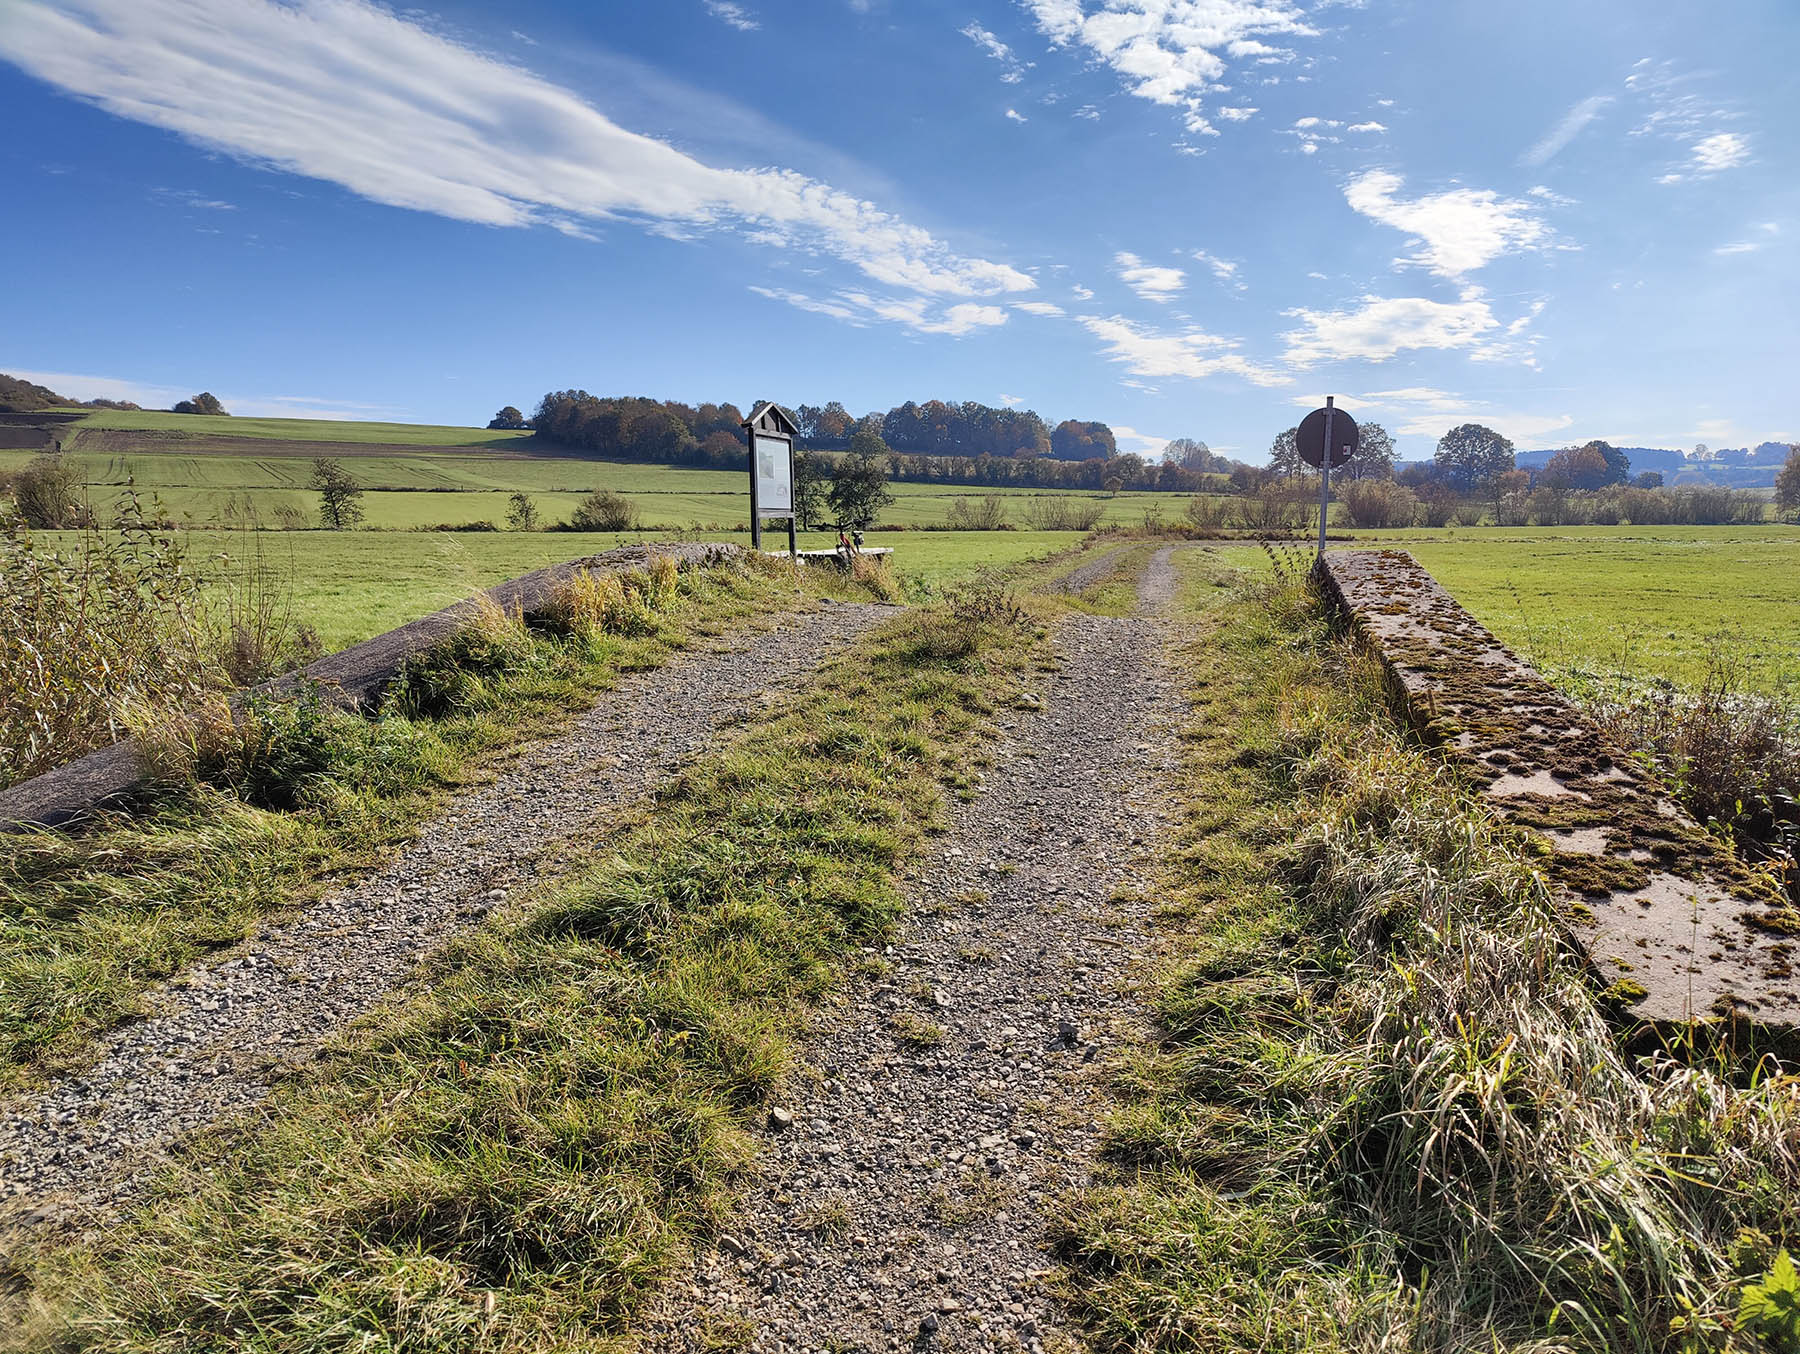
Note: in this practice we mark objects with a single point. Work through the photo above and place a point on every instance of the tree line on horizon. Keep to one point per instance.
(933, 441)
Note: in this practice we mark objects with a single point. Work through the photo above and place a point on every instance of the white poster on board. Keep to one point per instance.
(774, 458)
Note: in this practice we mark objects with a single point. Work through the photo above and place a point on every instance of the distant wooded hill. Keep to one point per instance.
(19, 396)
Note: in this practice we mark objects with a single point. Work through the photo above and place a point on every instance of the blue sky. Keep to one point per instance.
(1184, 217)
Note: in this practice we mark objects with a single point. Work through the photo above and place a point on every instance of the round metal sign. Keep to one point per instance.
(1311, 438)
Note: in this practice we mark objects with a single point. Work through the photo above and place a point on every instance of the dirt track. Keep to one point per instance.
(955, 1098)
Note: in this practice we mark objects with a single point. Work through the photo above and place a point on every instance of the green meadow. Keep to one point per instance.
(1590, 603)
(1584, 603)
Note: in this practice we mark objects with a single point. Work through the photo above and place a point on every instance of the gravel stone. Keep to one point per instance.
(914, 1188)
(220, 1031)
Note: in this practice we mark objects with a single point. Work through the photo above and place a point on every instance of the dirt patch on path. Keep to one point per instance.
(222, 1027)
(903, 1195)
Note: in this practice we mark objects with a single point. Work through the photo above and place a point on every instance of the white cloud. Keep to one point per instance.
(1016, 116)
(1421, 411)
(1193, 354)
(1010, 400)
(1739, 247)
(1366, 127)
(1147, 445)
(1238, 114)
(1088, 112)
(1169, 51)
(1726, 150)
(342, 91)
(1459, 230)
(734, 14)
(1572, 124)
(1044, 308)
(1081, 293)
(1149, 281)
(1013, 69)
(1383, 326)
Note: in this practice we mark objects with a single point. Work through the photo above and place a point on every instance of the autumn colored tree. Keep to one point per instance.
(1577, 468)
(508, 419)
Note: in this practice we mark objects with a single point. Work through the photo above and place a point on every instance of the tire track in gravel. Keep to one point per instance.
(219, 1028)
(902, 1200)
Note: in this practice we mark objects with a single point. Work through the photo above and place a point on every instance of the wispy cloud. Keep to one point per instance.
(919, 314)
(734, 14)
(1225, 270)
(1044, 308)
(1192, 353)
(1726, 150)
(1677, 111)
(1014, 115)
(1174, 52)
(346, 92)
(1149, 281)
(1012, 69)
(1458, 231)
(1423, 411)
(155, 395)
(1573, 123)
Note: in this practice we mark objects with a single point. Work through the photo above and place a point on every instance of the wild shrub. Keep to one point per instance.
(1277, 508)
(248, 619)
(872, 572)
(1061, 512)
(456, 673)
(985, 600)
(1207, 511)
(604, 510)
(85, 631)
(1730, 756)
(1378, 503)
(987, 515)
(48, 495)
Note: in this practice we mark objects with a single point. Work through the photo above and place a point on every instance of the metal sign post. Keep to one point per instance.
(770, 434)
(1326, 437)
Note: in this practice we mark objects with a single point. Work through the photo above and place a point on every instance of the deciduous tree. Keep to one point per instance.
(1787, 482)
(1284, 453)
(859, 489)
(1473, 456)
(204, 403)
(521, 512)
(1374, 459)
(508, 419)
(340, 495)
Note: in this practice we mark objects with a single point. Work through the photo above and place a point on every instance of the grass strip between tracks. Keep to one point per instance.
(1388, 1110)
(90, 918)
(510, 1160)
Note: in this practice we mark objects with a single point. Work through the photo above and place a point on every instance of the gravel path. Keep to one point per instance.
(222, 1026)
(1093, 573)
(902, 1197)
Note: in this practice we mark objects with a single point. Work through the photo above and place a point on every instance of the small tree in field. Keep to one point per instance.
(1787, 484)
(340, 496)
(859, 488)
(204, 403)
(508, 419)
(521, 512)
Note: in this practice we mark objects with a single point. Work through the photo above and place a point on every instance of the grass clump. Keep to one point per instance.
(1389, 1111)
(511, 1161)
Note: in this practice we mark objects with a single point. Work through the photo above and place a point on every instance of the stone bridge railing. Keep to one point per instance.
(1677, 927)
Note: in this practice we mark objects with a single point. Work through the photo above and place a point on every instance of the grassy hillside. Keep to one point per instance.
(291, 429)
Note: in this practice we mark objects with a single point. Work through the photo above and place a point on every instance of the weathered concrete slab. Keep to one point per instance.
(358, 675)
(1677, 926)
